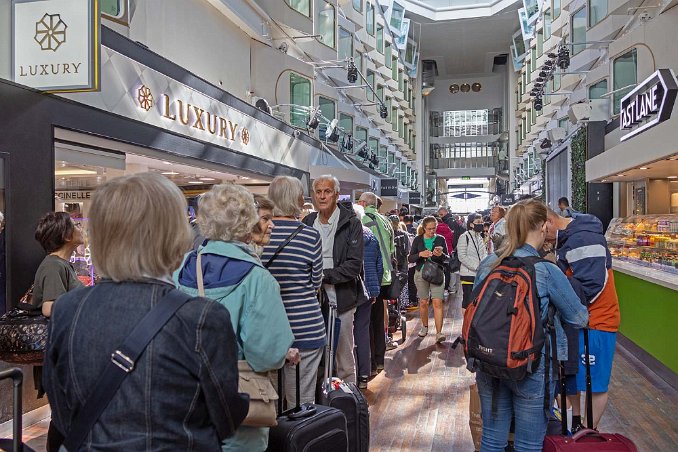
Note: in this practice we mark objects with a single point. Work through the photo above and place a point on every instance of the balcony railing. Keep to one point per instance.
(465, 123)
(467, 155)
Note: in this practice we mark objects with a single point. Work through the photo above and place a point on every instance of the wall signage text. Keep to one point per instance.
(74, 195)
(56, 44)
(389, 187)
(649, 104)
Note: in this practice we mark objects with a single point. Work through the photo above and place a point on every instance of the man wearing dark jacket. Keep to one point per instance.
(342, 246)
(457, 231)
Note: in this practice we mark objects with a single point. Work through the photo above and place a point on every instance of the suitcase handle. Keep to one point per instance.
(17, 380)
(587, 432)
(302, 412)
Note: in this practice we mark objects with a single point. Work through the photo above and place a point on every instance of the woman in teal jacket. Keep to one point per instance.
(234, 276)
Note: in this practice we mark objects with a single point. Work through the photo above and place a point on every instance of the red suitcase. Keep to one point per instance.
(587, 439)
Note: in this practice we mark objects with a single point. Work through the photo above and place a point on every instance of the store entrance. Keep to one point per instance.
(80, 168)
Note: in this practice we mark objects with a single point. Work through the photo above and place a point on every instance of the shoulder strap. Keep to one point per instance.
(122, 364)
(380, 238)
(474, 246)
(283, 245)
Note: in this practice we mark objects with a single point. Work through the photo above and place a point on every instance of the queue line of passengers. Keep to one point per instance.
(139, 238)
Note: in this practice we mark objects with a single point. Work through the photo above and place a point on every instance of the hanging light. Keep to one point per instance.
(312, 122)
(563, 58)
(383, 111)
(347, 142)
(352, 71)
(331, 133)
(538, 103)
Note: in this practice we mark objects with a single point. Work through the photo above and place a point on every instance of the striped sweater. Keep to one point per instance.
(298, 270)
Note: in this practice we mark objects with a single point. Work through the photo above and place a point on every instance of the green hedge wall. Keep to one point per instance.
(578, 165)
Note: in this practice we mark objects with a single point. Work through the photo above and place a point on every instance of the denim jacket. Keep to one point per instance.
(183, 392)
(554, 288)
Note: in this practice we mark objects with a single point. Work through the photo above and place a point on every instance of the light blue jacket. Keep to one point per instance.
(554, 288)
(237, 279)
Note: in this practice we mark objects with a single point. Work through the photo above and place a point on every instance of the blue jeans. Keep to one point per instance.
(523, 400)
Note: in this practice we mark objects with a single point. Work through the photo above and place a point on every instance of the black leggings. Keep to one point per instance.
(466, 290)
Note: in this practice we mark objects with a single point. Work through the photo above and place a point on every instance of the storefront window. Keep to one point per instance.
(578, 31)
(326, 23)
(394, 118)
(597, 11)
(401, 128)
(380, 39)
(555, 5)
(409, 53)
(597, 90)
(358, 5)
(345, 44)
(327, 109)
(303, 6)
(556, 81)
(394, 68)
(370, 81)
(624, 75)
(111, 7)
(540, 44)
(369, 18)
(401, 84)
(388, 58)
(300, 95)
(547, 25)
(380, 93)
(563, 123)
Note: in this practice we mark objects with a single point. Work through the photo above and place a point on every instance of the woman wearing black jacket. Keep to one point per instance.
(427, 245)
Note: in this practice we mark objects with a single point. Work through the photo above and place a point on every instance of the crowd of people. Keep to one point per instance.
(261, 272)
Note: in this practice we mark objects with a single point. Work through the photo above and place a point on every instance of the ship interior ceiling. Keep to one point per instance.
(662, 169)
(466, 46)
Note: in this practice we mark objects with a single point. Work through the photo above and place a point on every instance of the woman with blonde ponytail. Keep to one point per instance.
(524, 399)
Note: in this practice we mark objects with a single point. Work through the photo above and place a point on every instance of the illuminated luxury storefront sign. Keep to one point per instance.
(649, 104)
(56, 44)
(133, 90)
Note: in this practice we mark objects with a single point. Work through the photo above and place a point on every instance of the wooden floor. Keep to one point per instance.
(420, 402)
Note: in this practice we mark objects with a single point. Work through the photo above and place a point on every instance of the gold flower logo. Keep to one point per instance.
(145, 97)
(50, 32)
(245, 136)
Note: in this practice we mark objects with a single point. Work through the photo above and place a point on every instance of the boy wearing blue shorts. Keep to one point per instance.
(583, 255)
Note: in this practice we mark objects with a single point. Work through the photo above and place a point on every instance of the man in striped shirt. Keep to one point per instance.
(298, 268)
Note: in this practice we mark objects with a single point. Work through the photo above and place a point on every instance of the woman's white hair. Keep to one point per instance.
(227, 213)
(359, 211)
(285, 192)
(329, 177)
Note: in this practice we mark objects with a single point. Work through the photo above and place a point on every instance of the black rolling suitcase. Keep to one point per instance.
(15, 444)
(307, 427)
(346, 397)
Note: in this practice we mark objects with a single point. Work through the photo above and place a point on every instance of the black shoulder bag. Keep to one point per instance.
(283, 245)
(121, 364)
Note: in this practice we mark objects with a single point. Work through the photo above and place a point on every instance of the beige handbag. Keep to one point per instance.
(257, 385)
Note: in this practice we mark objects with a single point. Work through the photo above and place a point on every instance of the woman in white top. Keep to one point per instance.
(471, 250)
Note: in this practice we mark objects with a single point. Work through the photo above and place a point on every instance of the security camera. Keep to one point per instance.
(283, 47)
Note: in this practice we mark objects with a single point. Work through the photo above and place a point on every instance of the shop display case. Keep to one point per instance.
(649, 241)
(81, 259)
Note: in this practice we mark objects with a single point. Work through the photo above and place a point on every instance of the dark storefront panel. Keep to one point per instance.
(557, 177)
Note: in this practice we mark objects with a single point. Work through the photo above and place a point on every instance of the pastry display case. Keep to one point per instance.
(649, 241)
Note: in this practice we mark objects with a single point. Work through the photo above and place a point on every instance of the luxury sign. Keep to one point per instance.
(56, 44)
(649, 104)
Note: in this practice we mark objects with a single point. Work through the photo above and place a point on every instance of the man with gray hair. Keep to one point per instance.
(342, 248)
(383, 231)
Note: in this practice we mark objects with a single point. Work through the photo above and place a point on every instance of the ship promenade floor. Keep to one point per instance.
(420, 402)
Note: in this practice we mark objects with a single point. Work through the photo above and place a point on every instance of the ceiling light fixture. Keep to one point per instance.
(620, 175)
(196, 182)
(643, 167)
(672, 177)
(207, 178)
(167, 163)
(74, 172)
(169, 173)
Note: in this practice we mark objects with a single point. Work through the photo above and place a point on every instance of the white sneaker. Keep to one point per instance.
(423, 331)
(440, 337)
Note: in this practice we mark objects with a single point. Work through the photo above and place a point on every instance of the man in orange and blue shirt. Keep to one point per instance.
(583, 255)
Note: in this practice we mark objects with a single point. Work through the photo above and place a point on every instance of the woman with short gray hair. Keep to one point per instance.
(298, 269)
(233, 275)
